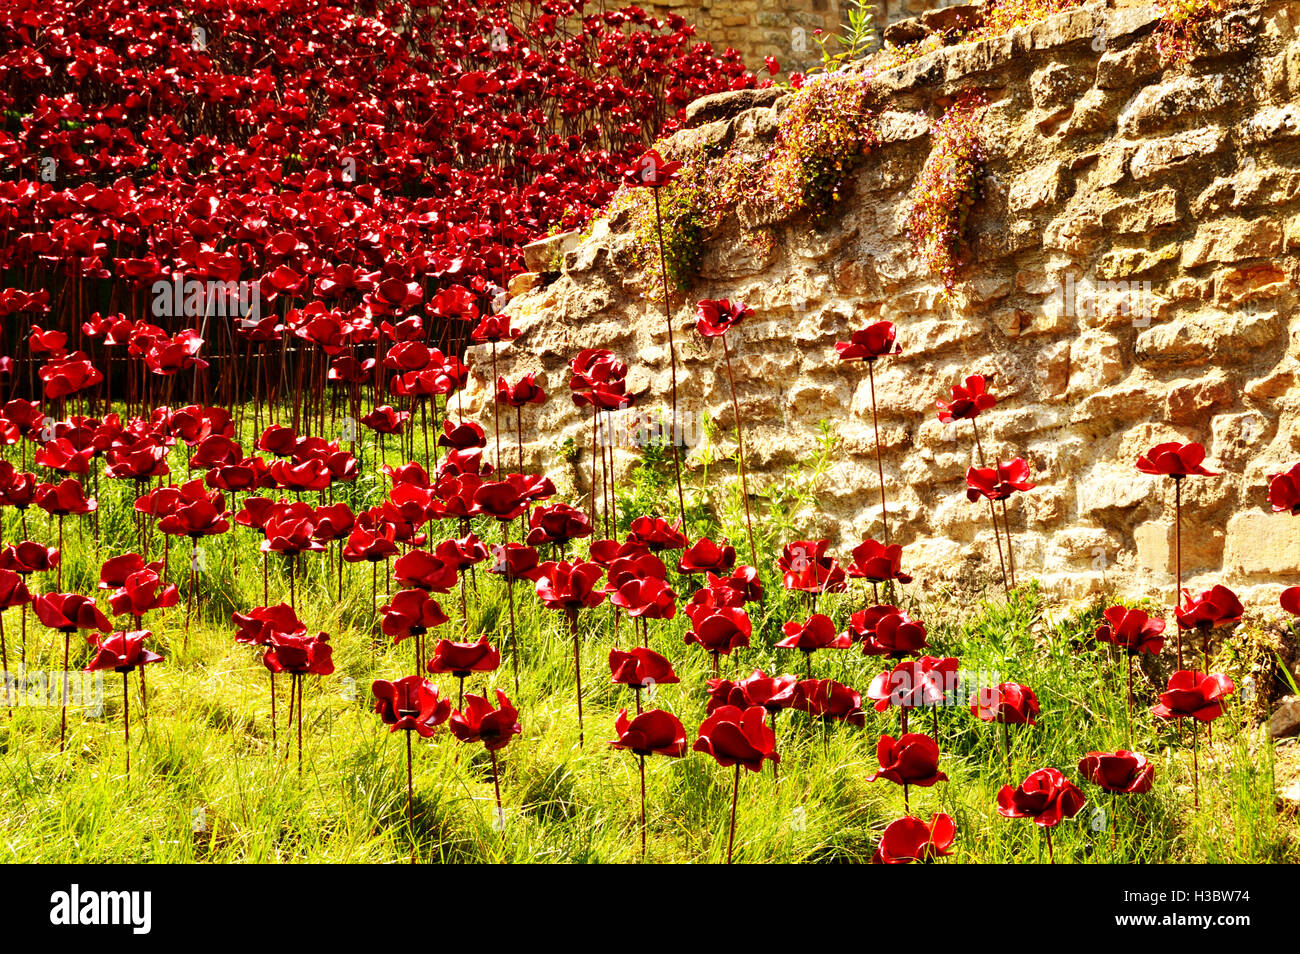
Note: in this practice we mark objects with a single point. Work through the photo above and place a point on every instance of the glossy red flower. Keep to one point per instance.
(1009, 703)
(1284, 490)
(69, 611)
(1194, 695)
(480, 722)
(123, 652)
(410, 703)
(912, 759)
(299, 654)
(461, 659)
(909, 839)
(817, 632)
(872, 342)
(1122, 772)
(1176, 460)
(411, 613)
(1215, 607)
(915, 682)
(736, 736)
(715, 318)
(873, 560)
(705, 556)
(885, 630)
(640, 668)
(829, 701)
(1046, 796)
(1133, 630)
(773, 693)
(968, 400)
(653, 732)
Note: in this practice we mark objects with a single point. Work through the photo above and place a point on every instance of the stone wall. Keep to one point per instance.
(780, 28)
(1183, 182)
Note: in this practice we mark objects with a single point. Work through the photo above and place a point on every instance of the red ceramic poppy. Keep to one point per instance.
(773, 693)
(968, 400)
(872, 342)
(817, 632)
(66, 612)
(719, 629)
(558, 524)
(736, 736)
(912, 759)
(1122, 772)
(1133, 630)
(410, 703)
(1291, 600)
(13, 590)
(998, 483)
(142, 592)
(873, 560)
(28, 557)
(741, 587)
(657, 534)
(64, 499)
(653, 732)
(715, 318)
(915, 682)
(299, 654)
(909, 839)
(480, 722)
(651, 170)
(523, 392)
(515, 561)
(649, 598)
(569, 586)
(640, 668)
(1176, 460)
(255, 627)
(1009, 703)
(123, 652)
(885, 630)
(1284, 490)
(461, 659)
(705, 556)
(829, 701)
(1046, 796)
(1215, 607)
(1194, 695)
(411, 613)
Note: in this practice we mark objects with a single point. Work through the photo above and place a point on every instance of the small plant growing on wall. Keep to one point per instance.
(947, 188)
(825, 132)
(1195, 27)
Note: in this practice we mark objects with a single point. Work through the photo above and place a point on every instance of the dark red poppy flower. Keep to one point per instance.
(411, 613)
(741, 587)
(1133, 630)
(1009, 703)
(250, 473)
(912, 759)
(500, 499)
(462, 553)
(653, 732)
(705, 556)
(1175, 460)
(61, 455)
(1284, 490)
(524, 391)
(69, 611)
(638, 565)
(606, 552)
(1192, 694)
(1215, 607)
(651, 170)
(715, 318)
(1046, 796)
(462, 436)
(909, 839)
(648, 598)
(28, 557)
(829, 701)
(425, 571)
(370, 545)
(967, 400)
(877, 562)
(773, 693)
(657, 534)
(885, 630)
(817, 632)
(806, 567)
(736, 736)
(1122, 772)
(65, 377)
(872, 342)
(384, 420)
(17, 489)
(333, 521)
(64, 499)
(143, 591)
(255, 627)
(557, 523)
(461, 659)
(299, 654)
(479, 722)
(998, 483)
(1290, 600)
(515, 561)
(494, 328)
(640, 668)
(197, 513)
(123, 652)
(13, 590)
(915, 682)
(569, 586)
(410, 703)
(719, 629)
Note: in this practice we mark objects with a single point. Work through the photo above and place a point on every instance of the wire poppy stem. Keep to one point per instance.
(410, 812)
(880, 467)
(1051, 858)
(642, 758)
(577, 671)
(126, 725)
(496, 786)
(1178, 563)
(672, 359)
(735, 792)
(63, 707)
(740, 453)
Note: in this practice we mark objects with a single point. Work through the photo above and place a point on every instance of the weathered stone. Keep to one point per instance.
(1232, 241)
(1159, 156)
(729, 103)
(545, 255)
(1036, 188)
(1183, 96)
(1285, 721)
(1145, 214)
(1259, 542)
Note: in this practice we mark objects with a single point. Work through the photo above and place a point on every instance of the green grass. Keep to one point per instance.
(206, 784)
